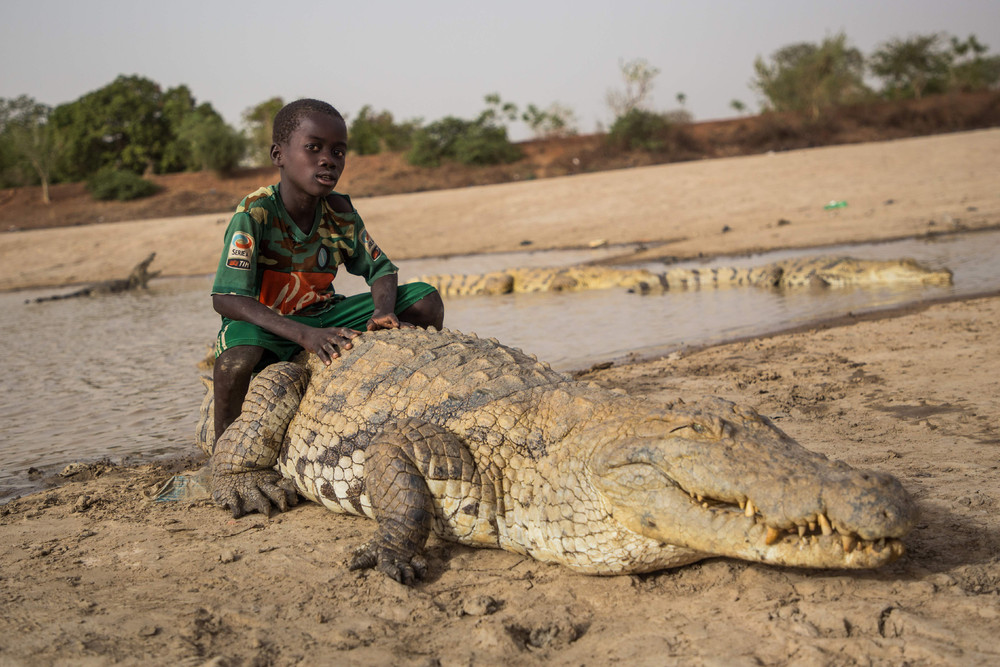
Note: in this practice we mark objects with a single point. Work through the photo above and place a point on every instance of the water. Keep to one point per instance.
(115, 376)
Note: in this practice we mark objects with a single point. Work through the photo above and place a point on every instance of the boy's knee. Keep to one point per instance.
(237, 364)
(428, 312)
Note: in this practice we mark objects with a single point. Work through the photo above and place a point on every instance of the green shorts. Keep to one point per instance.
(352, 313)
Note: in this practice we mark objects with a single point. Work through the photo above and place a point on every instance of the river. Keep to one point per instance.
(115, 376)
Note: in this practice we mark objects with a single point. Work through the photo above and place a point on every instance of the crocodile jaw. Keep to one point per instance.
(758, 496)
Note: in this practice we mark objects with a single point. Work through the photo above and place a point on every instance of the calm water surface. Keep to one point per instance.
(115, 376)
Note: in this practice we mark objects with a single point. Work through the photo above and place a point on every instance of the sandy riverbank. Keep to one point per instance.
(93, 573)
(893, 189)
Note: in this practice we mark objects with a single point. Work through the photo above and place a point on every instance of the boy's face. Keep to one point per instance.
(312, 160)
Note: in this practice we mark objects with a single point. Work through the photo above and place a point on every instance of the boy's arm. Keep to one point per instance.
(384, 298)
(324, 343)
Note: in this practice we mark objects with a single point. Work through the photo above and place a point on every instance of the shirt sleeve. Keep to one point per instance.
(368, 260)
(237, 271)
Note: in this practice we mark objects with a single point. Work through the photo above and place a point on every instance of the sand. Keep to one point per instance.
(92, 572)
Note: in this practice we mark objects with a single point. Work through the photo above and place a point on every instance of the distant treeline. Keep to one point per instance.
(132, 127)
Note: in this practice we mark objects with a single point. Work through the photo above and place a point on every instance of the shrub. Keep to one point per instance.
(372, 132)
(638, 129)
(476, 142)
(110, 183)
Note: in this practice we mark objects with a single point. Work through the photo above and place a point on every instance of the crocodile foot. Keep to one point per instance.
(244, 492)
(405, 569)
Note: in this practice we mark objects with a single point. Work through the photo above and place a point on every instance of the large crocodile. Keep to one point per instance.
(484, 445)
(789, 273)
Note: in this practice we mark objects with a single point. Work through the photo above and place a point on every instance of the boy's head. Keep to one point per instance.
(310, 149)
(290, 116)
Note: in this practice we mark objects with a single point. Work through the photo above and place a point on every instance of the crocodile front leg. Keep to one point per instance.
(243, 474)
(417, 475)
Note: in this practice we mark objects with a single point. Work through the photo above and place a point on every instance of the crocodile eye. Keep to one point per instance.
(698, 428)
(694, 426)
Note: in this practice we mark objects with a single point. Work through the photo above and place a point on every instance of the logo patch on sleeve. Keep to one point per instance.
(240, 251)
(370, 245)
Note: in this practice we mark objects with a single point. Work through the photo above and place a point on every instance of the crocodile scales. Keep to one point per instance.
(483, 445)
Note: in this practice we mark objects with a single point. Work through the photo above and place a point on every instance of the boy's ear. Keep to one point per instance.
(276, 155)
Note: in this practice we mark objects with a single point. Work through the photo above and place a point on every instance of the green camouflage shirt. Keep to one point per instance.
(267, 257)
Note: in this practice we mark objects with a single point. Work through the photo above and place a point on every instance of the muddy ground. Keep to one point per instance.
(93, 572)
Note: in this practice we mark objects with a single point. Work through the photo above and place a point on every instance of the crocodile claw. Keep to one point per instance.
(256, 490)
(407, 570)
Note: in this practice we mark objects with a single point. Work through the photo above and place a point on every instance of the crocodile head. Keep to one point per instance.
(908, 270)
(721, 480)
(844, 271)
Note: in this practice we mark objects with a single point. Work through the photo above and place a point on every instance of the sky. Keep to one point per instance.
(434, 58)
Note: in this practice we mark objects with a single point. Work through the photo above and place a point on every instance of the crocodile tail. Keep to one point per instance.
(496, 282)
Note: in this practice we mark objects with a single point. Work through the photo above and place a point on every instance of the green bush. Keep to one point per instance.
(372, 132)
(468, 142)
(638, 129)
(485, 144)
(109, 183)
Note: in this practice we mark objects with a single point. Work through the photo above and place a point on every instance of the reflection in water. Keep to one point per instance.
(115, 375)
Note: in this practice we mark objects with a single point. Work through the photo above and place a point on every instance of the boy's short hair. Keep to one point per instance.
(290, 115)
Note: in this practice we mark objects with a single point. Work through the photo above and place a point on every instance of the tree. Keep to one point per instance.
(738, 106)
(212, 143)
(497, 112)
(681, 98)
(373, 132)
(120, 126)
(809, 78)
(25, 128)
(481, 141)
(555, 121)
(970, 70)
(177, 105)
(259, 121)
(911, 68)
(638, 75)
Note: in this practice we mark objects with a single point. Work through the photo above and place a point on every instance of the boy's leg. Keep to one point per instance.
(416, 303)
(233, 369)
(428, 312)
(242, 349)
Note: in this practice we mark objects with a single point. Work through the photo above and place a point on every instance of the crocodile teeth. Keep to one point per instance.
(750, 511)
(824, 524)
(773, 535)
(849, 542)
(802, 530)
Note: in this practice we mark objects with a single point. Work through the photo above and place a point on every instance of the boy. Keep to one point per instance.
(274, 285)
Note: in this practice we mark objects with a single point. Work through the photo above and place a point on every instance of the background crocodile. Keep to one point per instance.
(790, 273)
(138, 278)
(483, 445)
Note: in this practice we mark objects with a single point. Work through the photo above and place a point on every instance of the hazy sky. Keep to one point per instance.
(435, 58)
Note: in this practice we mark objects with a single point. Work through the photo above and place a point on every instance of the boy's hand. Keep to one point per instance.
(327, 343)
(386, 321)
